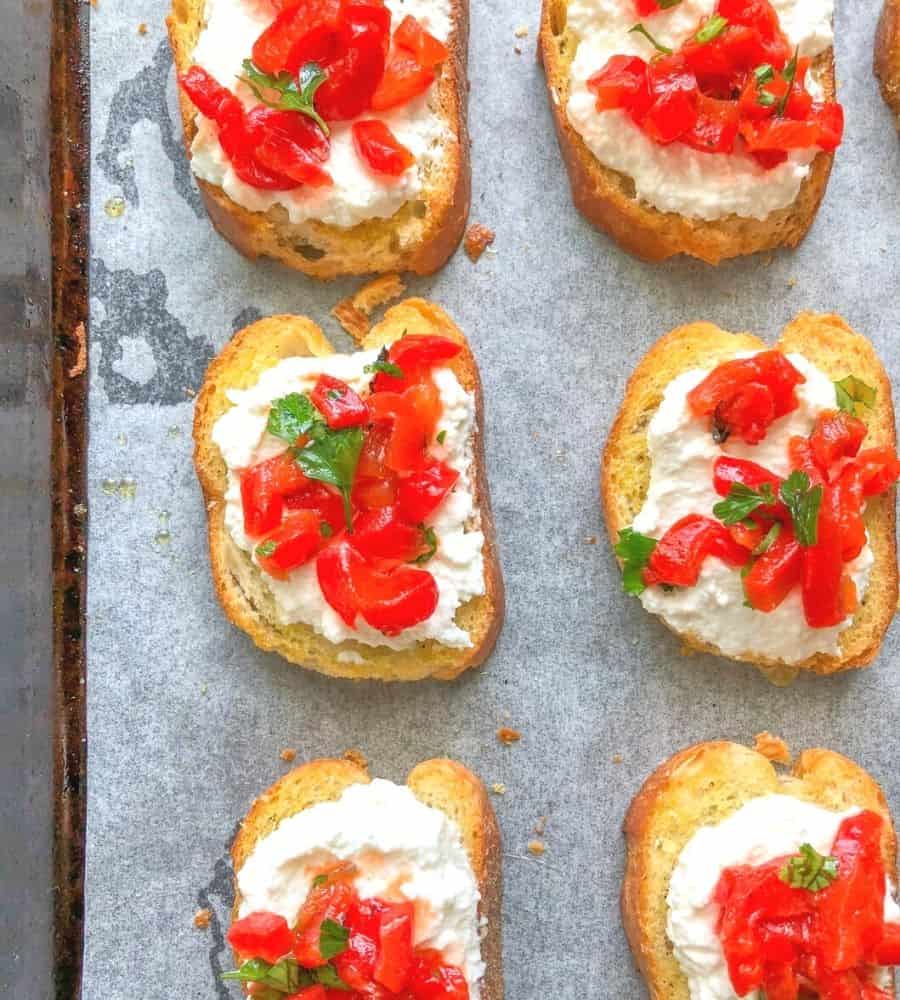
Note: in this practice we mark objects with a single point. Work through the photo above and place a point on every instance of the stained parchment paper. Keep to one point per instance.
(187, 718)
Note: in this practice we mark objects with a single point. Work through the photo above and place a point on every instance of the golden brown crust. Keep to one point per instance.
(887, 55)
(402, 243)
(443, 784)
(829, 343)
(606, 197)
(244, 597)
(702, 785)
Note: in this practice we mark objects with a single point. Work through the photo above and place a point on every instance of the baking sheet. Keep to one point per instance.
(187, 718)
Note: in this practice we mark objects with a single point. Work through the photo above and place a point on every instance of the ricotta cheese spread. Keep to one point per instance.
(766, 827)
(677, 178)
(229, 29)
(682, 455)
(457, 566)
(402, 848)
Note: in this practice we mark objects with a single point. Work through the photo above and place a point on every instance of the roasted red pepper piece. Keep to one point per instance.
(775, 573)
(422, 492)
(836, 435)
(415, 355)
(294, 542)
(822, 566)
(403, 80)
(674, 93)
(338, 403)
(263, 488)
(622, 83)
(395, 946)
(427, 50)
(325, 501)
(728, 470)
(377, 145)
(384, 533)
(351, 78)
(261, 935)
(433, 979)
(413, 415)
(331, 901)
(307, 31)
(679, 555)
(879, 469)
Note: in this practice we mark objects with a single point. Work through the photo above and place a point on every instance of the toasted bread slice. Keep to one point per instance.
(244, 596)
(829, 343)
(419, 237)
(701, 786)
(606, 197)
(442, 784)
(887, 55)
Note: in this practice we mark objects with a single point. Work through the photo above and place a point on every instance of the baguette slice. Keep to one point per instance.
(420, 237)
(606, 197)
(443, 784)
(241, 590)
(829, 343)
(887, 55)
(702, 785)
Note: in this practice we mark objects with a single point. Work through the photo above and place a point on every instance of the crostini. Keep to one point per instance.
(887, 55)
(328, 134)
(749, 494)
(699, 127)
(744, 882)
(348, 513)
(348, 888)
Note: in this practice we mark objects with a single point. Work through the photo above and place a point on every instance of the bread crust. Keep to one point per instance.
(887, 55)
(238, 582)
(834, 347)
(704, 784)
(444, 784)
(404, 242)
(606, 197)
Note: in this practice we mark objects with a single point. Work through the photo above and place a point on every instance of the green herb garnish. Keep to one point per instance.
(667, 4)
(850, 391)
(711, 30)
(293, 94)
(742, 501)
(326, 531)
(291, 416)
(327, 976)
(789, 73)
(763, 74)
(430, 539)
(386, 368)
(331, 457)
(442, 437)
(769, 539)
(319, 880)
(803, 501)
(809, 869)
(333, 938)
(285, 976)
(765, 99)
(639, 29)
(634, 549)
(265, 549)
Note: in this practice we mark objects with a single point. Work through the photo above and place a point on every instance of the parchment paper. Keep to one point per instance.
(187, 718)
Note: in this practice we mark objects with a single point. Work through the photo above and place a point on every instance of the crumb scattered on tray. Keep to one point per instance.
(522, 31)
(617, 758)
(356, 757)
(591, 539)
(536, 847)
(508, 736)
(772, 747)
(202, 919)
(478, 239)
(288, 755)
(142, 28)
(517, 49)
(791, 282)
(190, 392)
(498, 788)
(354, 313)
(204, 687)
(540, 826)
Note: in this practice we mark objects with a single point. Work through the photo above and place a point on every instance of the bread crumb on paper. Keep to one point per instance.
(591, 539)
(791, 282)
(202, 919)
(522, 31)
(498, 788)
(540, 826)
(478, 239)
(536, 847)
(142, 28)
(288, 754)
(617, 758)
(356, 757)
(354, 313)
(81, 356)
(508, 736)
(773, 748)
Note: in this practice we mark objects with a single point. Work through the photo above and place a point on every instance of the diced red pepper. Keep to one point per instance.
(413, 415)
(622, 83)
(836, 435)
(395, 946)
(263, 488)
(351, 79)
(307, 31)
(377, 146)
(879, 470)
(851, 499)
(422, 492)
(336, 569)
(427, 50)
(404, 78)
(433, 979)
(728, 470)
(331, 901)
(822, 566)
(775, 573)
(338, 403)
(211, 99)
(384, 533)
(716, 127)
(356, 965)
(802, 459)
(324, 500)
(679, 555)
(415, 355)
(292, 145)
(674, 91)
(294, 542)
(261, 935)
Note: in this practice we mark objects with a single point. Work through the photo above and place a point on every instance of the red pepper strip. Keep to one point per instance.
(836, 435)
(338, 403)
(823, 566)
(775, 573)
(727, 471)
(680, 553)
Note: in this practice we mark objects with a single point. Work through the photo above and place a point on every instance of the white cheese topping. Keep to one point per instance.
(457, 566)
(358, 193)
(676, 178)
(682, 455)
(404, 850)
(767, 827)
